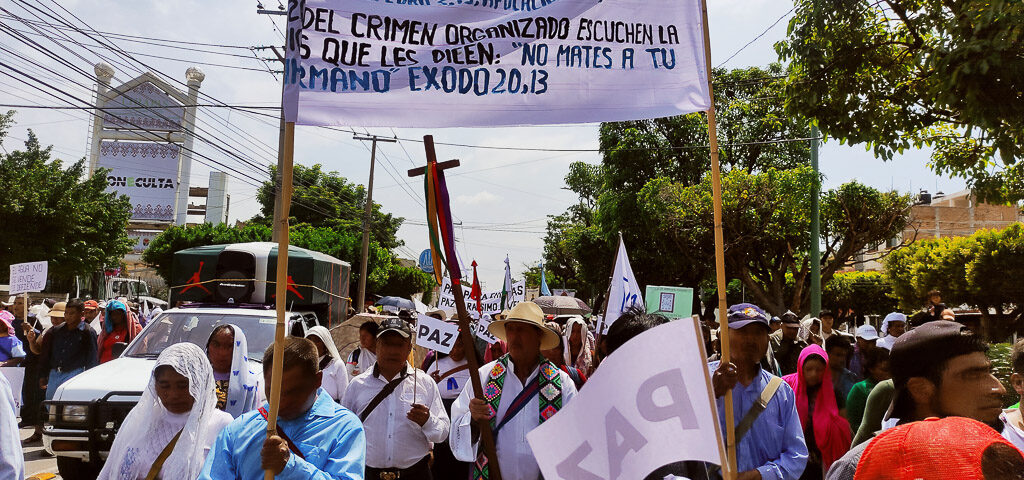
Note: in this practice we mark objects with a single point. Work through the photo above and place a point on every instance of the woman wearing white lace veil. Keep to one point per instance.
(239, 389)
(180, 398)
(335, 380)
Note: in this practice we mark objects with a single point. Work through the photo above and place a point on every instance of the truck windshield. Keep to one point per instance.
(195, 327)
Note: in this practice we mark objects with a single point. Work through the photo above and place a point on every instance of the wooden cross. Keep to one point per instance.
(484, 426)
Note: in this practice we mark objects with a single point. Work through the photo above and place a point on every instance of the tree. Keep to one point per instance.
(580, 244)
(970, 270)
(326, 199)
(58, 213)
(866, 293)
(766, 223)
(896, 74)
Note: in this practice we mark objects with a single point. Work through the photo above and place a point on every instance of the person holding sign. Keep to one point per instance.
(400, 407)
(521, 390)
(769, 440)
(316, 439)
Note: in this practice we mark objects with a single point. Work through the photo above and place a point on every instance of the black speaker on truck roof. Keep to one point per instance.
(236, 271)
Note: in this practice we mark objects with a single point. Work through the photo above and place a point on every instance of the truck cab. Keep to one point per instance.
(87, 410)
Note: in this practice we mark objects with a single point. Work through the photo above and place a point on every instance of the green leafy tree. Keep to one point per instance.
(896, 74)
(580, 244)
(972, 270)
(326, 199)
(765, 221)
(865, 293)
(55, 212)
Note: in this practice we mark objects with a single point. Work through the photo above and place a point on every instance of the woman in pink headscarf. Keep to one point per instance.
(826, 432)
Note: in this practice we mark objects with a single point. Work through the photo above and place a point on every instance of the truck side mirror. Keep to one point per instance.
(118, 349)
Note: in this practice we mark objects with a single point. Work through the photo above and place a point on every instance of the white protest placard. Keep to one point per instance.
(434, 334)
(490, 302)
(648, 405)
(15, 377)
(483, 333)
(28, 277)
(452, 63)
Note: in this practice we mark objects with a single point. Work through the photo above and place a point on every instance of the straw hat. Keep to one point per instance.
(529, 313)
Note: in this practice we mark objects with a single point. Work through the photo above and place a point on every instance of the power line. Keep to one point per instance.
(751, 42)
(130, 38)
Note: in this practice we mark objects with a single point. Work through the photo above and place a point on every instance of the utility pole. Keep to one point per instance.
(367, 217)
(280, 136)
(815, 227)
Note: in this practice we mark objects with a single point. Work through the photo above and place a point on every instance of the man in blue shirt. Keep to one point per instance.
(773, 447)
(317, 438)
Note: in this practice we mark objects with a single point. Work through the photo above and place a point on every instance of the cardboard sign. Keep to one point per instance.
(28, 277)
(457, 63)
(490, 302)
(672, 302)
(434, 334)
(648, 405)
(483, 333)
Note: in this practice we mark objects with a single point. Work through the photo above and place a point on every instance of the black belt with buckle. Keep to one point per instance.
(419, 470)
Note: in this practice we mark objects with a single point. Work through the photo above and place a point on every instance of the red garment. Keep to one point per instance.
(934, 449)
(495, 350)
(106, 345)
(831, 430)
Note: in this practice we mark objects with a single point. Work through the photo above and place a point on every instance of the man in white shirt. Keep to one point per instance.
(452, 374)
(362, 359)
(12, 458)
(521, 388)
(400, 408)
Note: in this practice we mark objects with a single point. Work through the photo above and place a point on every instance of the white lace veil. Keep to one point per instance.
(325, 336)
(583, 359)
(244, 384)
(145, 432)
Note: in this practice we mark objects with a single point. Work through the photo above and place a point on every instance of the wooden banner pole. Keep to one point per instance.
(281, 287)
(728, 470)
(484, 426)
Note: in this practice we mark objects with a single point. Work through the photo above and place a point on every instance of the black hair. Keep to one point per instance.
(298, 353)
(216, 330)
(873, 358)
(370, 326)
(837, 341)
(75, 303)
(826, 313)
(962, 345)
(1000, 461)
(632, 323)
(1017, 357)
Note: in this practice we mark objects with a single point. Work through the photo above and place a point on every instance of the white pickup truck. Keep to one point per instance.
(87, 410)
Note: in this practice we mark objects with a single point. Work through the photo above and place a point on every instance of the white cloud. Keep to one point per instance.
(482, 197)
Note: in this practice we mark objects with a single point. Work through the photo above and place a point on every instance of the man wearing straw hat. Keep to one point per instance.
(521, 390)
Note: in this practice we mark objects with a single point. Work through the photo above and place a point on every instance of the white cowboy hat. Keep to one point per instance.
(530, 313)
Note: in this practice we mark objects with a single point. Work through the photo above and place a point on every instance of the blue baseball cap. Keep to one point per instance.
(743, 314)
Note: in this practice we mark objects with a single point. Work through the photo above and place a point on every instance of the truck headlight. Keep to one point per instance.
(75, 413)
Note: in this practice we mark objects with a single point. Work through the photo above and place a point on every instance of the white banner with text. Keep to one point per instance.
(461, 63)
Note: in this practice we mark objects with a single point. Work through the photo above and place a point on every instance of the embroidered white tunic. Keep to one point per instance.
(515, 457)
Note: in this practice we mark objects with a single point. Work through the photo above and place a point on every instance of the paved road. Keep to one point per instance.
(35, 462)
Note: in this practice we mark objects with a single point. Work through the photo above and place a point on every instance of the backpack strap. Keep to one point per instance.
(756, 409)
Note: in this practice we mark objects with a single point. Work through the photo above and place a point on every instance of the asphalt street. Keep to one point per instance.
(37, 466)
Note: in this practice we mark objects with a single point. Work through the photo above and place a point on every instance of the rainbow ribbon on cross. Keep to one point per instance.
(439, 224)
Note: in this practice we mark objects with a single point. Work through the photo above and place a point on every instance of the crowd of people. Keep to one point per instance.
(809, 399)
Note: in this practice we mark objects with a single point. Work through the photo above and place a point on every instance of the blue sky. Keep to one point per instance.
(502, 196)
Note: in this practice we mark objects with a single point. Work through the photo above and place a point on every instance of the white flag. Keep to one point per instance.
(625, 292)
